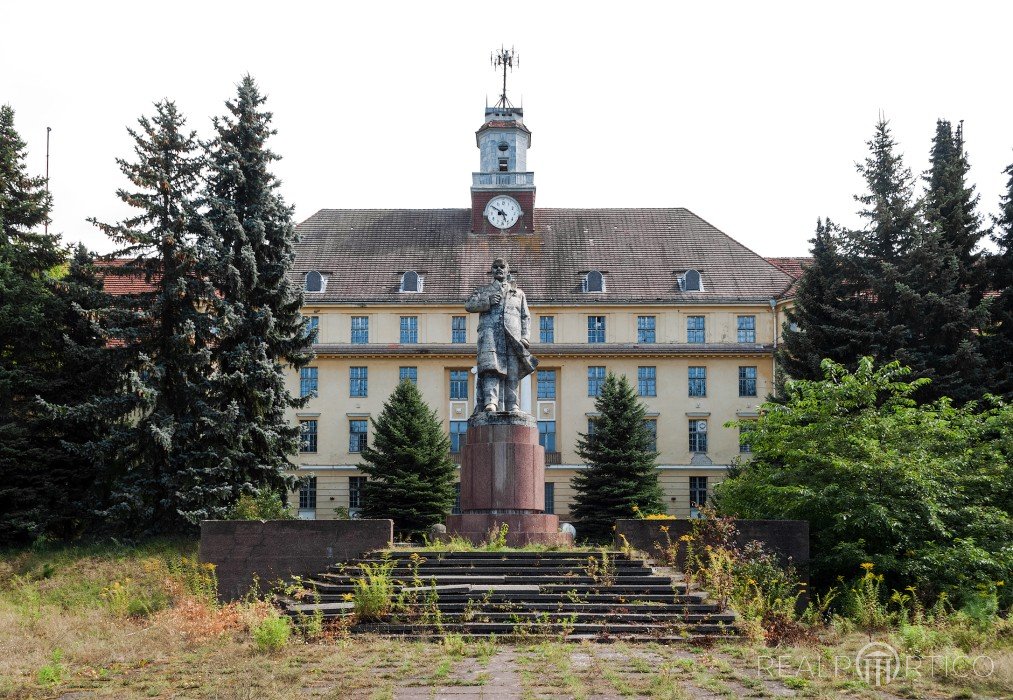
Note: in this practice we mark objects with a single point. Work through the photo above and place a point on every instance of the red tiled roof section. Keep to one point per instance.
(119, 284)
(363, 252)
(794, 267)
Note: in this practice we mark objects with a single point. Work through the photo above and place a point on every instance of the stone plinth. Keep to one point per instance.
(503, 481)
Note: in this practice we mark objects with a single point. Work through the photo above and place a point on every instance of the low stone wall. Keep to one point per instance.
(788, 539)
(278, 549)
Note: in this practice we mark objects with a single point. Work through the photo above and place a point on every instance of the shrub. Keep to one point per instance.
(374, 592)
(52, 673)
(272, 633)
(265, 505)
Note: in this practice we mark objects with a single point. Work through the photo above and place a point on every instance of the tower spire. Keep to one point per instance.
(504, 58)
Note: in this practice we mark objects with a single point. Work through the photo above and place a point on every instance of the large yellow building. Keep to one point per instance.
(689, 315)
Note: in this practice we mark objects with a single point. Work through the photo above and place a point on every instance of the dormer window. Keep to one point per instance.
(594, 281)
(690, 281)
(314, 281)
(411, 281)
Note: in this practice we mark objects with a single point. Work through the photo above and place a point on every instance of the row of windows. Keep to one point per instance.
(356, 492)
(357, 435)
(647, 382)
(696, 332)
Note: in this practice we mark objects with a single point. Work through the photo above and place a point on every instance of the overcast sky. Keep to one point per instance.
(752, 114)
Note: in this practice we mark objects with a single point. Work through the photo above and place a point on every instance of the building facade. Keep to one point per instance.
(689, 315)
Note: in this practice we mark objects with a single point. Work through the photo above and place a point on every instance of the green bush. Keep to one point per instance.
(272, 633)
(52, 673)
(265, 505)
(374, 592)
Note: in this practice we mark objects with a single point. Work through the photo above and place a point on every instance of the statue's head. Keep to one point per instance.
(500, 269)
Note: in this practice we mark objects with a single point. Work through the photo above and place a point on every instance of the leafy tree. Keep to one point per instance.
(999, 341)
(168, 470)
(29, 340)
(264, 332)
(828, 318)
(924, 492)
(621, 469)
(411, 476)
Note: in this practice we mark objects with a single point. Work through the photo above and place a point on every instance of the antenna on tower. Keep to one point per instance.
(504, 58)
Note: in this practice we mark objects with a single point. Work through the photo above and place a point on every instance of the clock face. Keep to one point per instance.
(502, 211)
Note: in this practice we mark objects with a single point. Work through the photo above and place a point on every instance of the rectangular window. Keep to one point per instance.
(550, 498)
(652, 427)
(459, 385)
(698, 436)
(745, 439)
(595, 378)
(747, 329)
(695, 329)
(409, 329)
(358, 380)
(360, 329)
(596, 329)
(645, 329)
(697, 381)
(308, 436)
(458, 428)
(459, 329)
(747, 381)
(697, 491)
(356, 490)
(592, 428)
(307, 382)
(547, 384)
(647, 381)
(547, 435)
(409, 373)
(313, 328)
(356, 435)
(546, 329)
(308, 498)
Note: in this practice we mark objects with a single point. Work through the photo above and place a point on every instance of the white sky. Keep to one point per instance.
(750, 114)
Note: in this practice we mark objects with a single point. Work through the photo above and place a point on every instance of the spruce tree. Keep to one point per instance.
(265, 332)
(411, 476)
(167, 463)
(29, 341)
(621, 469)
(829, 316)
(999, 340)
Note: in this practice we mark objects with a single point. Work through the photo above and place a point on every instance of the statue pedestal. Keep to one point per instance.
(503, 481)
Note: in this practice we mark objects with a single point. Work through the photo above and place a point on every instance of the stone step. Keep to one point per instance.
(503, 629)
(575, 589)
(551, 600)
(447, 554)
(601, 637)
(535, 578)
(429, 561)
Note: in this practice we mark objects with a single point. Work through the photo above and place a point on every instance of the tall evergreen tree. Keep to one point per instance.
(951, 204)
(411, 476)
(265, 332)
(168, 460)
(622, 470)
(999, 341)
(829, 316)
(29, 340)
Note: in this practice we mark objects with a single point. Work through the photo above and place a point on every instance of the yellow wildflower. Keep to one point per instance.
(686, 538)
(348, 596)
(868, 565)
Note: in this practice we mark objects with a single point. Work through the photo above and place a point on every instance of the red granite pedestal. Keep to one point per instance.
(503, 481)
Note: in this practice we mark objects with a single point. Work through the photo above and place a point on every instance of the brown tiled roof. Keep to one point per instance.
(500, 124)
(794, 267)
(363, 253)
(124, 284)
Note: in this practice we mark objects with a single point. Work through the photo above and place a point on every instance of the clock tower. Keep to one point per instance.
(503, 191)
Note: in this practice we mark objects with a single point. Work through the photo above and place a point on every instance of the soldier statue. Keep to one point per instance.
(504, 334)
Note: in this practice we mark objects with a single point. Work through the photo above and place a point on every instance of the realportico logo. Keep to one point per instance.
(877, 664)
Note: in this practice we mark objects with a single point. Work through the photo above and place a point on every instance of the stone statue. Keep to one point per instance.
(504, 333)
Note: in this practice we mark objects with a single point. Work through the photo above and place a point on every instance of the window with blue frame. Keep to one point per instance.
(595, 378)
(747, 329)
(697, 381)
(307, 382)
(651, 426)
(695, 329)
(645, 329)
(358, 380)
(647, 381)
(313, 328)
(596, 329)
(547, 329)
(459, 329)
(550, 498)
(459, 384)
(747, 381)
(458, 428)
(409, 373)
(360, 329)
(698, 436)
(547, 435)
(547, 384)
(308, 436)
(409, 329)
(357, 435)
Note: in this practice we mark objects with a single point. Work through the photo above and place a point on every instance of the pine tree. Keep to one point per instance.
(829, 318)
(29, 341)
(621, 471)
(167, 462)
(265, 331)
(411, 476)
(950, 204)
(999, 341)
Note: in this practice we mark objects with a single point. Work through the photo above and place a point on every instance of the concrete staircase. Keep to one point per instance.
(601, 596)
